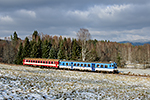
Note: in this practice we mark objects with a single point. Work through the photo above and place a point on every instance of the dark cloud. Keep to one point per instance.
(110, 20)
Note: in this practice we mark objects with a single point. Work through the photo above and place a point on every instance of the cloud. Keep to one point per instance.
(112, 20)
(26, 13)
(122, 35)
(6, 19)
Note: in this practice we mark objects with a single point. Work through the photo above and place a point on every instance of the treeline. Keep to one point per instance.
(83, 48)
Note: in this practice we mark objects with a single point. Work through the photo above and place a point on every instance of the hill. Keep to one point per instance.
(136, 42)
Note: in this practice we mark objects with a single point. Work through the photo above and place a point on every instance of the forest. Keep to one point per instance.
(83, 48)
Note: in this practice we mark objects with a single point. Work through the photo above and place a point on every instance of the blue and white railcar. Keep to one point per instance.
(65, 64)
(75, 65)
(110, 67)
(82, 65)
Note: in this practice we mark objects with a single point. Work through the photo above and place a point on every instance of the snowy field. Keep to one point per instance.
(19, 82)
(135, 71)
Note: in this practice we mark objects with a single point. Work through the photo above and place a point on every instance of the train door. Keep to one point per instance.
(93, 67)
(71, 65)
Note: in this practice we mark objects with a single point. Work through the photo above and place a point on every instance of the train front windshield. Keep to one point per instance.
(115, 65)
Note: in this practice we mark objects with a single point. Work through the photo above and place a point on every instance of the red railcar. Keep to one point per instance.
(41, 62)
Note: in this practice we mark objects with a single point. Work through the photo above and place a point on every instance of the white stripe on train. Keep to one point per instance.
(87, 68)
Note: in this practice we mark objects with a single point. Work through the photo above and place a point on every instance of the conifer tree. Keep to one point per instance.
(19, 58)
(34, 50)
(61, 53)
(52, 53)
(66, 49)
(46, 49)
(34, 35)
(118, 59)
(26, 49)
(75, 50)
(39, 48)
(15, 36)
(15, 39)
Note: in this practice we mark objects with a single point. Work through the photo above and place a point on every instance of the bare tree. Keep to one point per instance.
(84, 35)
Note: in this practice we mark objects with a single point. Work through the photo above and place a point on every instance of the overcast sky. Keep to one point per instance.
(114, 20)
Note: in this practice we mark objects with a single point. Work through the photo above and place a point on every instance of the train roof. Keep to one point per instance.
(86, 61)
(42, 59)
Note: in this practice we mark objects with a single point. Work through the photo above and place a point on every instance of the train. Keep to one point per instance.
(72, 65)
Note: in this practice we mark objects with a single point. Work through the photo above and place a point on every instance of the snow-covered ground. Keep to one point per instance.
(20, 82)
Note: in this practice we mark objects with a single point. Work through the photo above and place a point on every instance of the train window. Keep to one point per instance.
(106, 66)
(74, 64)
(63, 64)
(26, 60)
(88, 65)
(84, 65)
(81, 64)
(97, 65)
(78, 64)
(109, 65)
(51, 62)
(67, 64)
(101, 66)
